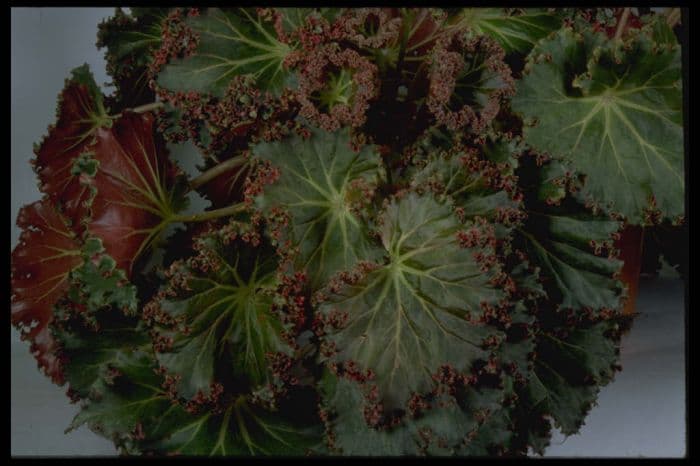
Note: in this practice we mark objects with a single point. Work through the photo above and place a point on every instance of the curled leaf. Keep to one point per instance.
(413, 313)
(468, 82)
(240, 429)
(80, 114)
(569, 372)
(137, 188)
(561, 246)
(219, 315)
(232, 42)
(516, 31)
(323, 185)
(41, 263)
(614, 111)
(335, 87)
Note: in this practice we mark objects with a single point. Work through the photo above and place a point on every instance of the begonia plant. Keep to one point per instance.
(410, 239)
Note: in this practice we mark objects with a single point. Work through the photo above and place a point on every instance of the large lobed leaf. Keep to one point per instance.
(515, 32)
(130, 40)
(561, 246)
(232, 42)
(136, 413)
(227, 309)
(475, 183)
(112, 367)
(133, 397)
(562, 241)
(321, 181)
(133, 189)
(410, 315)
(444, 427)
(80, 113)
(95, 322)
(569, 372)
(110, 176)
(41, 263)
(138, 189)
(614, 110)
(242, 429)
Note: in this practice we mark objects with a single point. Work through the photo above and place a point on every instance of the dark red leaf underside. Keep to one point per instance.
(424, 33)
(633, 22)
(133, 183)
(226, 188)
(67, 139)
(46, 253)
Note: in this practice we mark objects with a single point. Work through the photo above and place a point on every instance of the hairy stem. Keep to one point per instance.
(621, 24)
(217, 170)
(211, 214)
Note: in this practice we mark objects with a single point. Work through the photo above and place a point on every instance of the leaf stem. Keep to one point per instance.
(211, 214)
(673, 16)
(140, 109)
(147, 107)
(622, 23)
(217, 170)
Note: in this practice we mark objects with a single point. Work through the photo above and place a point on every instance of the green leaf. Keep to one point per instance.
(447, 173)
(494, 434)
(130, 40)
(529, 282)
(517, 32)
(661, 32)
(588, 348)
(344, 402)
(100, 282)
(517, 353)
(132, 35)
(241, 429)
(101, 297)
(551, 187)
(321, 182)
(468, 82)
(92, 353)
(560, 244)
(619, 123)
(134, 397)
(569, 372)
(441, 429)
(226, 307)
(232, 42)
(137, 414)
(408, 317)
(294, 18)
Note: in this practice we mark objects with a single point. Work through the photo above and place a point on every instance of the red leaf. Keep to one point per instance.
(633, 22)
(227, 188)
(424, 33)
(134, 181)
(47, 251)
(78, 117)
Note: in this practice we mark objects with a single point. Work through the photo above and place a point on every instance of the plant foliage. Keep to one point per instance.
(410, 243)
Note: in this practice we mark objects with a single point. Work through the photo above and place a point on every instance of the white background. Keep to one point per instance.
(642, 413)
